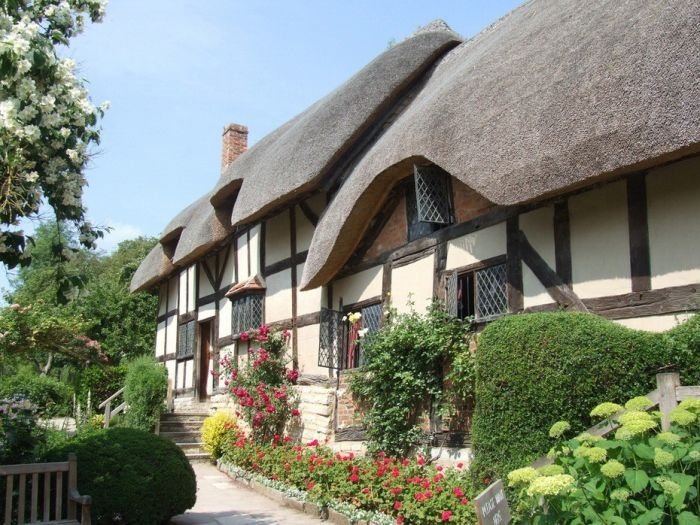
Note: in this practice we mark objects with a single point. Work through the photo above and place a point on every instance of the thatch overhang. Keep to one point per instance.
(295, 158)
(254, 284)
(553, 97)
(153, 269)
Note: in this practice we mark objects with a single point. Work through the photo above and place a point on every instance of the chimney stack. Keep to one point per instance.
(234, 143)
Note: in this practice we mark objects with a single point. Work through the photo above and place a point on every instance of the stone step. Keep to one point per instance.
(198, 457)
(183, 417)
(190, 446)
(182, 437)
(179, 426)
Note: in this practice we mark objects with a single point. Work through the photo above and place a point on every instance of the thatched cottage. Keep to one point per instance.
(552, 161)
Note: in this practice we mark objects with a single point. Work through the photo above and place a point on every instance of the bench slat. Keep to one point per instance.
(35, 497)
(47, 496)
(59, 495)
(8, 500)
(21, 503)
(31, 468)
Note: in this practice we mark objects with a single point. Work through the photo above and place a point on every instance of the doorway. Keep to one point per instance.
(204, 357)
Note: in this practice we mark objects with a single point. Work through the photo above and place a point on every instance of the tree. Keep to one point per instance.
(47, 122)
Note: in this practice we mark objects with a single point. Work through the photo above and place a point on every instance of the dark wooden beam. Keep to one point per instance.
(308, 213)
(386, 285)
(293, 251)
(556, 287)
(207, 271)
(640, 264)
(359, 305)
(439, 268)
(514, 265)
(284, 264)
(165, 316)
(562, 242)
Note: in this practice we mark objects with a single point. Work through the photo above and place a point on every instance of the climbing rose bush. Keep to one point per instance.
(410, 490)
(47, 121)
(262, 388)
(639, 475)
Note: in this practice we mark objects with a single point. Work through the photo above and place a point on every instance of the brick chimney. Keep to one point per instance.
(234, 143)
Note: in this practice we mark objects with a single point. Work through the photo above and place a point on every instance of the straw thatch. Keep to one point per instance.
(152, 269)
(553, 97)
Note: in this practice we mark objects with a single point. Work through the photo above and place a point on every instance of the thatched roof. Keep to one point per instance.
(297, 156)
(552, 97)
(152, 269)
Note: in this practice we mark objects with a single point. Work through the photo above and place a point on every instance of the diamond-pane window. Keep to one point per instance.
(432, 194)
(246, 313)
(185, 340)
(372, 317)
(491, 298)
(333, 338)
(480, 294)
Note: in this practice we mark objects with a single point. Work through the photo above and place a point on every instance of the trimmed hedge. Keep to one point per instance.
(133, 477)
(50, 396)
(684, 344)
(145, 389)
(535, 369)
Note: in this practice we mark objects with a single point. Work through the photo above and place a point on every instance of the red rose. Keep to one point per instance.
(446, 515)
(397, 505)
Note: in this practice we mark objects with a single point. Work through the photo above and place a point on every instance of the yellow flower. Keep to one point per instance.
(682, 417)
(592, 454)
(550, 470)
(612, 469)
(587, 438)
(639, 403)
(662, 458)
(668, 486)
(620, 494)
(550, 485)
(522, 476)
(558, 429)
(669, 438)
(692, 405)
(605, 410)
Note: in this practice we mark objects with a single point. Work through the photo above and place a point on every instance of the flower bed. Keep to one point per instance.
(408, 491)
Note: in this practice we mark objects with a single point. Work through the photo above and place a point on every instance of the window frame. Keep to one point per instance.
(454, 278)
(416, 226)
(190, 327)
(246, 298)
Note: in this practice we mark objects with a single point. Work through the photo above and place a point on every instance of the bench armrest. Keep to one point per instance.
(73, 495)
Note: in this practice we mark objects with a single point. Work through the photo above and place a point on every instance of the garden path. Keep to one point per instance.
(220, 501)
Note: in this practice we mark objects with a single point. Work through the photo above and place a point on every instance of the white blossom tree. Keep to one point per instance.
(47, 122)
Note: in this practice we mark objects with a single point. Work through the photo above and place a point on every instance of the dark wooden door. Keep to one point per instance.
(204, 356)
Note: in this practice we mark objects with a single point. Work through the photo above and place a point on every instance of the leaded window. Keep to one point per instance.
(480, 294)
(185, 340)
(428, 201)
(340, 342)
(246, 313)
(333, 339)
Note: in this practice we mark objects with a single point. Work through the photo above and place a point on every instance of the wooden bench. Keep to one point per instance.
(41, 502)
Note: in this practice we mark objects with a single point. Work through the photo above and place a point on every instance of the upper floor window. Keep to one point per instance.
(247, 313)
(428, 201)
(479, 293)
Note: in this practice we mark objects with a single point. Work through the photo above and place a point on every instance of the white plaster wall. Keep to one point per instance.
(305, 230)
(205, 287)
(192, 288)
(224, 317)
(182, 293)
(358, 287)
(254, 247)
(210, 378)
(163, 299)
(278, 296)
(413, 283)
(160, 339)
(171, 337)
(673, 197)
(655, 323)
(476, 246)
(600, 242)
(173, 293)
(242, 257)
(230, 268)
(277, 242)
(189, 367)
(206, 311)
(307, 341)
(538, 228)
(310, 301)
(170, 366)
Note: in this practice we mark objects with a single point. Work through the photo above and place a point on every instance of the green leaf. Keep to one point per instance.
(685, 481)
(652, 516)
(644, 451)
(688, 518)
(637, 480)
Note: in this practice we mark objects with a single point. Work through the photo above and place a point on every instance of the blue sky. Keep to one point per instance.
(177, 71)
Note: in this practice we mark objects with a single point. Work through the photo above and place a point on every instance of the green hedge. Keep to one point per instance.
(535, 369)
(684, 344)
(145, 389)
(49, 395)
(133, 477)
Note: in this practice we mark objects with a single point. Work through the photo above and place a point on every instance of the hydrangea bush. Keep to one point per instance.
(411, 491)
(262, 388)
(47, 122)
(639, 475)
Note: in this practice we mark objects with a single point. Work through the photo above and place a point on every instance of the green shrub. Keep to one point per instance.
(133, 476)
(217, 430)
(145, 390)
(50, 396)
(101, 381)
(637, 475)
(403, 372)
(533, 369)
(684, 344)
(19, 434)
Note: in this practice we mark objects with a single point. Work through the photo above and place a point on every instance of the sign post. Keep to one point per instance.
(492, 505)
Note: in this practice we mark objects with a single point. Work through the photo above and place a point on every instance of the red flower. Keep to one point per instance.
(464, 501)
(420, 461)
(292, 375)
(460, 465)
(313, 443)
(399, 520)
(354, 478)
(396, 490)
(365, 490)
(439, 468)
(487, 481)
(244, 336)
(296, 412)
(310, 485)
(397, 505)
(458, 492)
(270, 408)
(446, 515)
